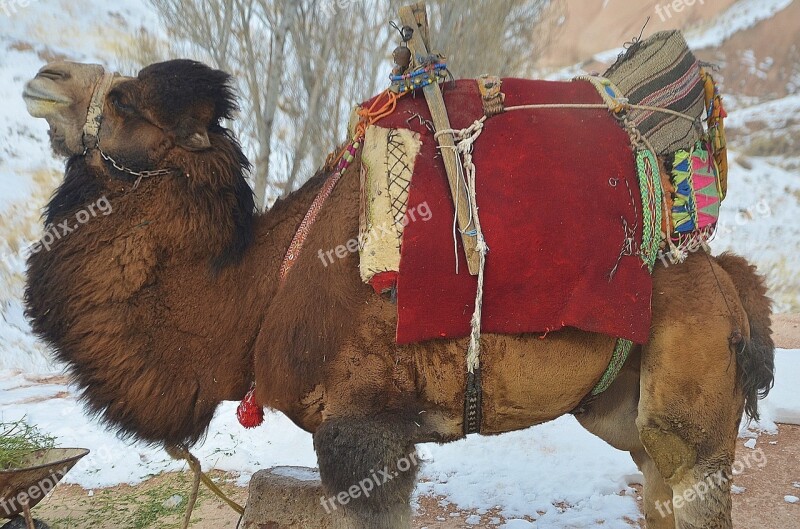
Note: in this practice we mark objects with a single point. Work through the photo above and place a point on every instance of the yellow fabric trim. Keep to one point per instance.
(380, 233)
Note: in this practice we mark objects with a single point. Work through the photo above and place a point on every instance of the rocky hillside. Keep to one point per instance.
(756, 44)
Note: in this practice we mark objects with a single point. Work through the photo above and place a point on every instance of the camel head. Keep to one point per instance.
(137, 121)
(165, 122)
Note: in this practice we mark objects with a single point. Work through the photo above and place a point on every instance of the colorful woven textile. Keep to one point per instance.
(662, 72)
(697, 193)
(560, 206)
(715, 122)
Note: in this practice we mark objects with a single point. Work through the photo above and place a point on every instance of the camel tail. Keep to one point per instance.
(756, 360)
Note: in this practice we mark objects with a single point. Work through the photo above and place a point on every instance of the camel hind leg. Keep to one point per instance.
(688, 422)
(612, 417)
(691, 401)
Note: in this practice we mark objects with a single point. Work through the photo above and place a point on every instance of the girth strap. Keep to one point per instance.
(473, 402)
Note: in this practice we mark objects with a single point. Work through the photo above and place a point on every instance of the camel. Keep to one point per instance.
(172, 304)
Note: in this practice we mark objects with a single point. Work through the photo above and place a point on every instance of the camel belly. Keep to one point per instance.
(526, 380)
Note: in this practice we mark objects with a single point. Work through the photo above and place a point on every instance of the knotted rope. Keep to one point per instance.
(464, 140)
(182, 452)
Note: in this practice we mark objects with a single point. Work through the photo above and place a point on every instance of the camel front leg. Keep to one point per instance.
(657, 494)
(369, 469)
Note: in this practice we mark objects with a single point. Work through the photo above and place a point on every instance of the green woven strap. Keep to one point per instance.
(652, 197)
(621, 351)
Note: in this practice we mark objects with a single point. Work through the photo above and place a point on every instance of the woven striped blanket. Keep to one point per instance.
(662, 72)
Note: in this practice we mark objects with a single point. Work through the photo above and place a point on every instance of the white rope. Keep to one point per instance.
(460, 135)
(602, 106)
(465, 140)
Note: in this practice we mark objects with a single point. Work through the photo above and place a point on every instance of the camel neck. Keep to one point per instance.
(276, 228)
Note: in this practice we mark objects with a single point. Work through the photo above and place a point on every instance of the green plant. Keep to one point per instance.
(18, 440)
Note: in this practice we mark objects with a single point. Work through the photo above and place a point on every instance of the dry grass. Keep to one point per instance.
(783, 280)
(158, 503)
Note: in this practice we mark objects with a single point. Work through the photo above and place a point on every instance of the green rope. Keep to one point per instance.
(621, 351)
(650, 186)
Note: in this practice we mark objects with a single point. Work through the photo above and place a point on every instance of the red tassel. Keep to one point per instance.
(249, 413)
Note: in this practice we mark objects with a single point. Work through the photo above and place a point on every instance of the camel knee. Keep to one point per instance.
(368, 468)
(672, 455)
(700, 478)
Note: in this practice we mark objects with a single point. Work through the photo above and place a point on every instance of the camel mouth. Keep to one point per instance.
(41, 103)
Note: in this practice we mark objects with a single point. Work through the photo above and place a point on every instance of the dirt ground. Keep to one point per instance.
(786, 330)
(159, 502)
(759, 505)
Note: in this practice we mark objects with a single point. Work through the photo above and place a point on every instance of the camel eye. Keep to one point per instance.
(120, 104)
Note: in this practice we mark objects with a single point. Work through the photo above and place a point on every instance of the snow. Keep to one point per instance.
(557, 463)
(518, 524)
(782, 403)
(556, 474)
(473, 519)
(553, 475)
(740, 16)
(791, 499)
(777, 113)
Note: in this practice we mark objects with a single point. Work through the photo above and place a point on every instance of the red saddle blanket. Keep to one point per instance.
(555, 189)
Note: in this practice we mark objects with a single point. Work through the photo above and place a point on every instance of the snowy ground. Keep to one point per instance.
(556, 468)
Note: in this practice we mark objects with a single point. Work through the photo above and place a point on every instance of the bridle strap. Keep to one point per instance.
(94, 115)
(91, 131)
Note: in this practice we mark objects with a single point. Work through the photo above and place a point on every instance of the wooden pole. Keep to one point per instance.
(416, 17)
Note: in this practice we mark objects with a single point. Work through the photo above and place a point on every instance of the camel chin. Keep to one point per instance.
(59, 95)
(50, 107)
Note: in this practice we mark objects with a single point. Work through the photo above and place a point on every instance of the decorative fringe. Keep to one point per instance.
(715, 123)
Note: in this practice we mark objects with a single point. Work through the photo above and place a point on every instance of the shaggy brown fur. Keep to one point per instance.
(172, 303)
(755, 358)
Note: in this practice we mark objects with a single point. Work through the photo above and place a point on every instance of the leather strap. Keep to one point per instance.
(473, 402)
(492, 97)
(94, 115)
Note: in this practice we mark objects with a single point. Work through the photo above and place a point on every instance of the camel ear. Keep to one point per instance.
(196, 141)
(192, 135)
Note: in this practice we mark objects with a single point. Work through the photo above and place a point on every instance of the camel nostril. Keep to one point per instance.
(53, 75)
